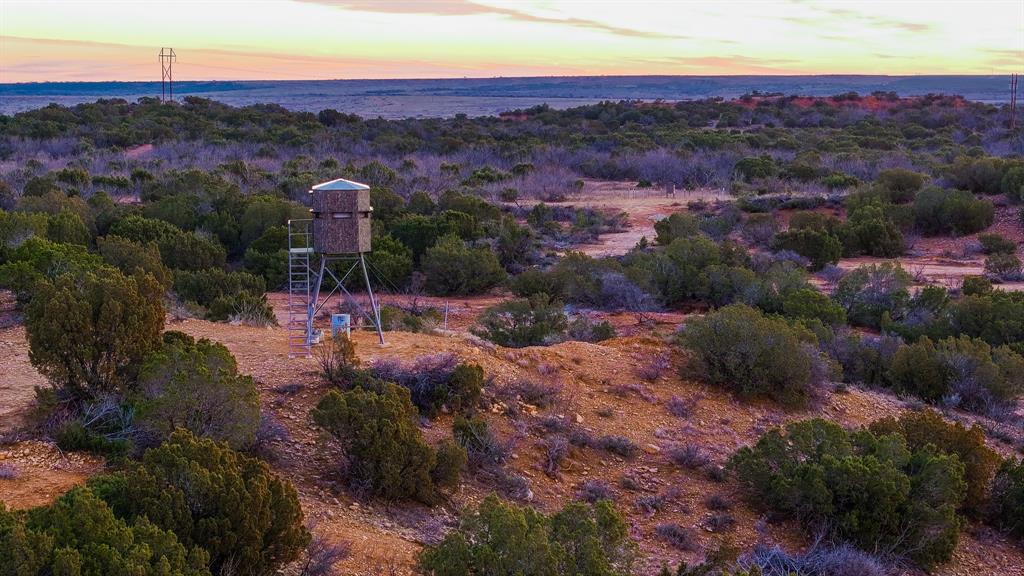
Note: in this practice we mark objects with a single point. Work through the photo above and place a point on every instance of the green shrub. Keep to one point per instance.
(128, 256)
(870, 230)
(436, 381)
(179, 250)
(901, 183)
(533, 281)
(838, 181)
(263, 212)
(816, 221)
(50, 259)
(676, 274)
(16, 227)
(871, 490)
(996, 244)
(583, 329)
(941, 211)
(379, 433)
(1007, 506)
(869, 292)
(79, 535)
(481, 444)
(451, 461)
(523, 322)
(421, 203)
(1003, 266)
(204, 287)
(196, 386)
(740, 348)
(392, 260)
(66, 227)
(514, 244)
(243, 308)
(452, 268)
(964, 371)
(810, 304)
(576, 277)
(975, 285)
(481, 210)
(39, 186)
(75, 437)
(500, 539)
(419, 233)
(925, 427)
(88, 334)
(1012, 183)
(978, 175)
(267, 256)
(229, 504)
(751, 167)
(819, 247)
(997, 317)
(676, 225)
(758, 229)
(181, 210)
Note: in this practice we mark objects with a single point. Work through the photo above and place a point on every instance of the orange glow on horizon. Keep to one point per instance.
(67, 40)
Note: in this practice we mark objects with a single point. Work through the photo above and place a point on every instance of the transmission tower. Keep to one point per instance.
(1014, 79)
(167, 59)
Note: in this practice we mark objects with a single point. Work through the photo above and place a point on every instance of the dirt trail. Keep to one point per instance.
(40, 472)
(644, 207)
(18, 378)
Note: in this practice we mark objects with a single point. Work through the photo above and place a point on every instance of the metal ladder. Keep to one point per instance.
(300, 249)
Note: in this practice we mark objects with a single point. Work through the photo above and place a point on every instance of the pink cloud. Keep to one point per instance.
(470, 8)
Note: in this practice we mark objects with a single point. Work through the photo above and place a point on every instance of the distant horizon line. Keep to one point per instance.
(568, 76)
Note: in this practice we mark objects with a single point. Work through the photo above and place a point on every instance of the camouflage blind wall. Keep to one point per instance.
(341, 221)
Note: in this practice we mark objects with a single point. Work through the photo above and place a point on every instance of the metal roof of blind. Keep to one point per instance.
(341, 184)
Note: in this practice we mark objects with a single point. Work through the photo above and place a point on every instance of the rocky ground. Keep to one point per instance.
(601, 391)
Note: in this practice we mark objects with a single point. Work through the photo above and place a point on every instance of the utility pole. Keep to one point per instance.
(167, 59)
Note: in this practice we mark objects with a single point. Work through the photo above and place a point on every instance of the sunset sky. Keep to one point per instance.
(43, 40)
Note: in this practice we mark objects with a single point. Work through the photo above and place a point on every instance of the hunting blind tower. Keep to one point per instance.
(335, 239)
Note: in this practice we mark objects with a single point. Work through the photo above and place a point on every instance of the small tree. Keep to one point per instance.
(78, 534)
(524, 322)
(1003, 266)
(196, 386)
(127, 256)
(926, 427)
(1007, 507)
(810, 304)
(505, 539)
(676, 225)
(232, 505)
(740, 348)
(452, 268)
(996, 244)
(818, 246)
(869, 292)
(901, 183)
(66, 227)
(871, 490)
(89, 334)
(378, 429)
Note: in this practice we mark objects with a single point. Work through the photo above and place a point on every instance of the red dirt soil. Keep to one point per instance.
(601, 390)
